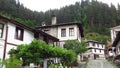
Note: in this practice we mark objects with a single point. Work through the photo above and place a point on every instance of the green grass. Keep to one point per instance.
(112, 62)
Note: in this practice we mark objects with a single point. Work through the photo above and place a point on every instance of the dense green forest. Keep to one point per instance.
(96, 17)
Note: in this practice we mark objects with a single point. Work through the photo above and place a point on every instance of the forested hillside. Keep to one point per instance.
(96, 17)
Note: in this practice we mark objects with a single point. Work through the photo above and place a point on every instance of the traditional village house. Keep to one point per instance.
(114, 32)
(63, 31)
(13, 33)
(95, 50)
(116, 48)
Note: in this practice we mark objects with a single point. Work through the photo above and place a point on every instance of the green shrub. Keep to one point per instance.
(12, 62)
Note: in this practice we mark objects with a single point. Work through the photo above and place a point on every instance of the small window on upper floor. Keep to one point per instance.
(102, 46)
(93, 44)
(97, 45)
(100, 51)
(19, 32)
(1, 30)
(63, 32)
(71, 32)
(95, 50)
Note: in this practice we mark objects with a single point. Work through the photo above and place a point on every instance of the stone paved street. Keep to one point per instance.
(100, 64)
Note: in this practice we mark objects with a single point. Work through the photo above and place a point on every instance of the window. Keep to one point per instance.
(100, 51)
(71, 31)
(93, 44)
(19, 33)
(102, 46)
(97, 45)
(1, 30)
(95, 50)
(63, 32)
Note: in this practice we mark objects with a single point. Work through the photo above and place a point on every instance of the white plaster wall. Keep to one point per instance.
(117, 48)
(67, 33)
(110, 53)
(8, 49)
(4, 30)
(2, 40)
(97, 51)
(113, 33)
(27, 38)
(90, 44)
(52, 31)
(1, 51)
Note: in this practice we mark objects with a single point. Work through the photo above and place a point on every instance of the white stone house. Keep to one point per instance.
(13, 33)
(116, 48)
(95, 50)
(114, 32)
(63, 31)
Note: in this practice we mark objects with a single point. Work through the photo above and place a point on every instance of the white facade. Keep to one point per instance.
(96, 50)
(114, 32)
(67, 37)
(56, 31)
(117, 52)
(11, 41)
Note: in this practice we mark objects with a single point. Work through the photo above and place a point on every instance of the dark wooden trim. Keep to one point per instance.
(64, 24)
(2, 29)
(96, 48)
(12, 44)
(16, 23)
(5, 45)
(92, 41)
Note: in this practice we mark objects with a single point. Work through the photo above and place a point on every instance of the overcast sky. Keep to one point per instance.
(44, 5)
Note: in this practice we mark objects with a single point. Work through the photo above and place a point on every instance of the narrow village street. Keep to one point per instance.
(100, 64)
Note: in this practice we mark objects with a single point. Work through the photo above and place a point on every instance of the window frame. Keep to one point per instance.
(20, 37)
(1, 30)
(71, 32)
(94, 50)
(100, 50)
(63, 32)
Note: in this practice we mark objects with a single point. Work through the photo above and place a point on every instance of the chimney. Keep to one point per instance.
(43, 23)
(54, 20)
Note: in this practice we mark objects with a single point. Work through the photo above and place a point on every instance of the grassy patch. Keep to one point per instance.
(112, 62)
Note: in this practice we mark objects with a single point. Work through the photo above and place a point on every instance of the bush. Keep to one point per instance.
(57, 66)
(12, 62)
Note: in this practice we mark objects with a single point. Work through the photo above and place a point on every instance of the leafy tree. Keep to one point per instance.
(37, 50)
(76, 46)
